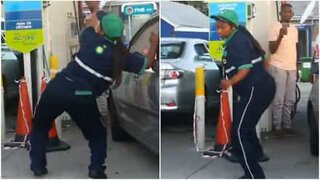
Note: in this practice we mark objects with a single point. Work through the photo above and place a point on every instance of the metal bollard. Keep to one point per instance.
(199, 114)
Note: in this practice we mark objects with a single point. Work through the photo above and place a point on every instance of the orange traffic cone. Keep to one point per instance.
(223, 137)
(24, 117)
(54, 143)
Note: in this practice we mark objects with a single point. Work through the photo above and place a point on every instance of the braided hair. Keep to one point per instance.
(255, 43)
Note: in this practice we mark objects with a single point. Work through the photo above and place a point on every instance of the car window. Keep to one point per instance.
(201, 49)
(202, 52)
(141, 43)
(172, 50)
(6, 54)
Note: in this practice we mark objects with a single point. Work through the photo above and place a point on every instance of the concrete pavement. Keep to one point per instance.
(125, 160)
(290, 158)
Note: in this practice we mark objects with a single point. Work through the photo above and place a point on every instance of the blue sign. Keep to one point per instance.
(21, 15)
(23, 25)
(139, 9)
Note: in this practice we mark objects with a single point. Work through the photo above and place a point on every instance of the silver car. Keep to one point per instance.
(179, 58)
(134, 105)
(10, 73)
(313, 109)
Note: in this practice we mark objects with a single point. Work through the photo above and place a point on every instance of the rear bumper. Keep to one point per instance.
(179, 95)
(172, 97)
(175, 99)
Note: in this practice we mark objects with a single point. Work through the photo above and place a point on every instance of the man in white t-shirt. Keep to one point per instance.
(283, 39)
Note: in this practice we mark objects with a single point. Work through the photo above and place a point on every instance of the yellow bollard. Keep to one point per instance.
(199, 110)
(54, 65)
(199, 76)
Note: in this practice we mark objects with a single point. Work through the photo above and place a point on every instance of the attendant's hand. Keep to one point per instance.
(225, 84)
(154, 39)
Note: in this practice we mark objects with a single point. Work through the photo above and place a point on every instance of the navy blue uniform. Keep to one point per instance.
(74, 90)
(255, 91)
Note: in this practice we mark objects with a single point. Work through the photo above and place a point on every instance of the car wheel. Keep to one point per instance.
(314, 139)
(117, 132)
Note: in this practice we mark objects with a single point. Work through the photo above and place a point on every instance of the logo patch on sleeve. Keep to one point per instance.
(224, 61)
(99, 50)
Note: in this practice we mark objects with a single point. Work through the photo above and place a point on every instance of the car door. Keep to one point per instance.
(10, 72)
(137, 98)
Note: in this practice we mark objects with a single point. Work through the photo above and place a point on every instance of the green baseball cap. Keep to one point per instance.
(112, 26)
(227, 15)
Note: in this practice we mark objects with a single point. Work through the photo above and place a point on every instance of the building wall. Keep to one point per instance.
(58, 17)
(260, 25)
